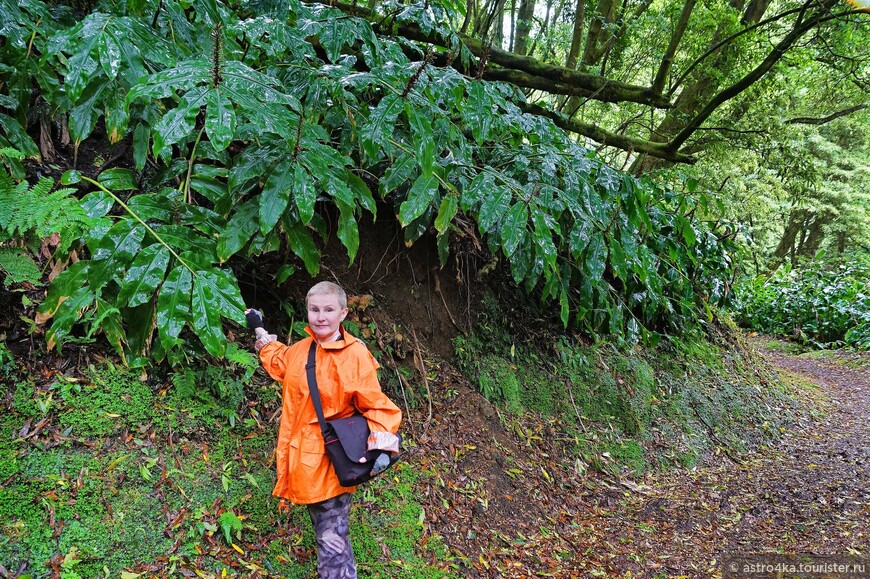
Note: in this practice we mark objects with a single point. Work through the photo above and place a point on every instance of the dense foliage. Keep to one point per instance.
(224, 172)
(820, 303)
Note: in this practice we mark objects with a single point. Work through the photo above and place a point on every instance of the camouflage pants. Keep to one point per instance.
(334, 552)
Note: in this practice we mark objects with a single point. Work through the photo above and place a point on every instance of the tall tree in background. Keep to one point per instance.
(674, 70)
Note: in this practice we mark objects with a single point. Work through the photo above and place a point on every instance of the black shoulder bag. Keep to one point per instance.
(346, 439)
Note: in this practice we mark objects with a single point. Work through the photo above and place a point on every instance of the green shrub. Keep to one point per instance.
(822, 303)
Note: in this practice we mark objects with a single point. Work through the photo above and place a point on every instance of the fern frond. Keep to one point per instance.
(18, 266)
(37, 212)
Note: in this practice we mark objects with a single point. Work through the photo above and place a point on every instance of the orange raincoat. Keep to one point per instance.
(347, 379)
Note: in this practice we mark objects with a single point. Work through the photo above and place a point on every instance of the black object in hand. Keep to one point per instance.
(255, 319)
(381, 464)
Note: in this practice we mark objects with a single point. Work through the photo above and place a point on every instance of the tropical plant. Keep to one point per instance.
(222, 172)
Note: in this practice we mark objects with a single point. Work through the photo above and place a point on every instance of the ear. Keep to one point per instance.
(344, 314)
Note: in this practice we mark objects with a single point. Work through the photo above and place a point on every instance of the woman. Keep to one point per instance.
(347, 381)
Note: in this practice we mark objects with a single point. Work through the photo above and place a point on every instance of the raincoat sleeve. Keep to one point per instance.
(383, 416)
(274, 358)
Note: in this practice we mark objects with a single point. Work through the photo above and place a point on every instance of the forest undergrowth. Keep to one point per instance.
(106, 472)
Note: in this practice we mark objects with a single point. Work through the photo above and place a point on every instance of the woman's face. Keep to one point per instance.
(325, 316)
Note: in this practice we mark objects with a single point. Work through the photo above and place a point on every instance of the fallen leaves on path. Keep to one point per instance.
(805, 494)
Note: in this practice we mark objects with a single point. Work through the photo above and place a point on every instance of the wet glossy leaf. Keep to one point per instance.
(302, 245)
(347, 230)
(421, 136)
(494, 205)
(67, 314)
(596, 256)
(220, 119)
(398, 173)
(276, 194)
(114, 252)
(178, 123)
(206, 318)
(514, 230)
(421, 194)
(173, 305)
(118, 179)
(144, 275)
(110, 54)
(227, 299)
(446, 213)
(241, 227)
(378, 130)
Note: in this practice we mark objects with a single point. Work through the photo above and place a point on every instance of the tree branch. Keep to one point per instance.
(800, 28)
(609, 138)
(538, 75)
(725, 41)
(825, 119)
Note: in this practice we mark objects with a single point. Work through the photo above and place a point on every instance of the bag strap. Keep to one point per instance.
(312, 385)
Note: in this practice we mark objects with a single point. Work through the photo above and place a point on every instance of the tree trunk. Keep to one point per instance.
(596, 39)
(658, 83)
(813, 237)
(795, 225)
(577, 35)
(492, 12)
(524, 26)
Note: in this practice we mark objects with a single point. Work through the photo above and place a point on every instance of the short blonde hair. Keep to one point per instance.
(327, 288)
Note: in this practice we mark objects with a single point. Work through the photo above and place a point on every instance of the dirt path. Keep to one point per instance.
(808, 494)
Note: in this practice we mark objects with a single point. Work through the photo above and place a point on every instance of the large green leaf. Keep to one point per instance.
(299, 238)
(67, 314)
(178, 123)
(144, 276)
(114, 251)
(580, 236)
(446, 213)
(169, 82)
(421, 136)
(477, 111)
(336, 34)
(112, 326)
(596, 256)
(183, 238)
(348, 232)
(173, 305)
(514, 229)
(18, 137)
(83, 117)
(220, 119)
(63, 286)
(423, 192)
(240, 229)
(276, 194)
(398, 173)
(110, 54)
(381, 122)
(82, 65)
(361, 192)
(118, 179)
(304, 193)
(206, 319)
(227, 299)
(116, 116)
(617, 258)
(493, 207)
(159, 206)
(250, 89)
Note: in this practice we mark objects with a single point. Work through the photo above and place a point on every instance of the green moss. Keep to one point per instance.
(112, 398)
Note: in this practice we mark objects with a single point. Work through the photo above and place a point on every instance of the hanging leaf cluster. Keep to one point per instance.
(259, 115)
